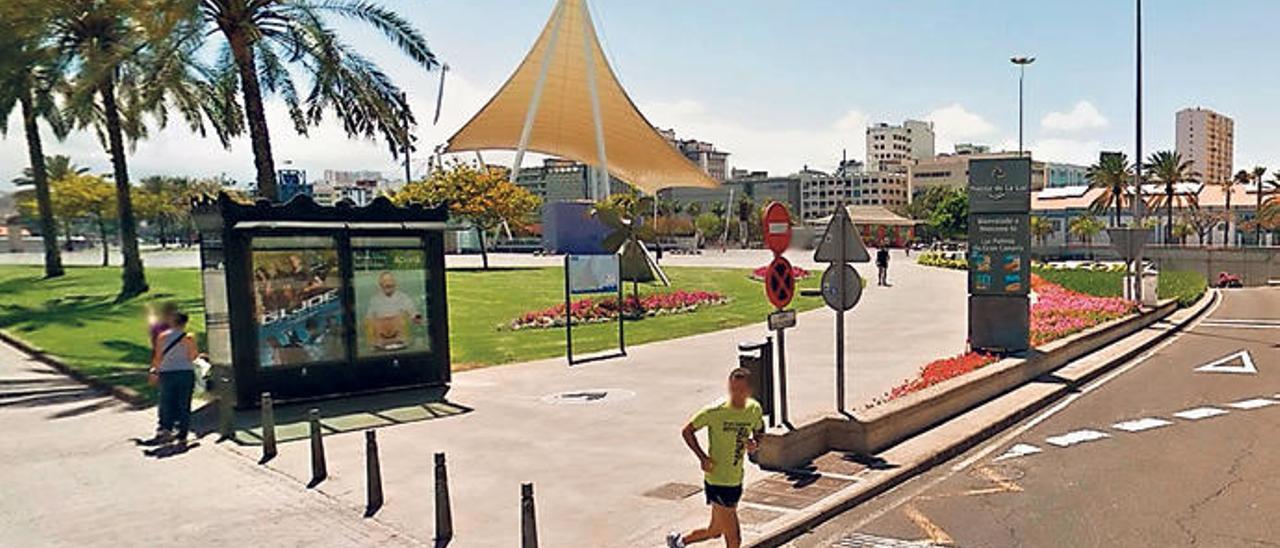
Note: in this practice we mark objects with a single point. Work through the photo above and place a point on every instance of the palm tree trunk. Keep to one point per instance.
(134, 280)
(44, 203)
(1168, 212)
(259, 136)
(1226, 222)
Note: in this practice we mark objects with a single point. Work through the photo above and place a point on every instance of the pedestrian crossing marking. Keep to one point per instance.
(1200, 413)
(1078, 436)
(1254, 403)
(1138, 425)
(1019, 450)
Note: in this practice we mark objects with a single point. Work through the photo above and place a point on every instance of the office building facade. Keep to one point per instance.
(1207, 140)
(895, 148)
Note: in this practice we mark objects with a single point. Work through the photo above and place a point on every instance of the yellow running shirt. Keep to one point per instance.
(728, 429)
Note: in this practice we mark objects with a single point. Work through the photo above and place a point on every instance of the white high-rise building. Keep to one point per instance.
(1207, 140)
(895, 148)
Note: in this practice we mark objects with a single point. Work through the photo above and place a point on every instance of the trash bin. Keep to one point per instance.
(757, 357)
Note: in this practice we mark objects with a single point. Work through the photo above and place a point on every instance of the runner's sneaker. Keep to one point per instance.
(674, 540)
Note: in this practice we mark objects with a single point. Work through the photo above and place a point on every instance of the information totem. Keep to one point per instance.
(1000, 255)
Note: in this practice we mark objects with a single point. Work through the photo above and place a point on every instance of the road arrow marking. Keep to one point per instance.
(1019, 450)
(1199, 413)
(1079, 436)
(1226, 365)
(1139, 425)
(1252, 404)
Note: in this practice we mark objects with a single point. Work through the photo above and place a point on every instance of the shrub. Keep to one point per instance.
(1186, 287)
(933, 258)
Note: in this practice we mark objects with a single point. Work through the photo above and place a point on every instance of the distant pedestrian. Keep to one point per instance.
(882, 264)
(733, 430)
(173, 370)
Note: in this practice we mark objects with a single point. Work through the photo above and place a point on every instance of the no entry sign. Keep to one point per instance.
(780, 282)
(777, 228)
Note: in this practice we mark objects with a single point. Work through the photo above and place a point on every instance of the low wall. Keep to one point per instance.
(876, 429)
(1255, 265)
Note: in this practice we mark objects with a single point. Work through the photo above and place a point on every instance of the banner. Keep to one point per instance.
(391, 301)
(299, 307)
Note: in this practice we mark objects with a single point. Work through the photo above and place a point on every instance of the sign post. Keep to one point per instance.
(1000, 254)
(841, 245)
(780, 288)
(587, 274)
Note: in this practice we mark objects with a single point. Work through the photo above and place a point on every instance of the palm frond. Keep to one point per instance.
(389, 23)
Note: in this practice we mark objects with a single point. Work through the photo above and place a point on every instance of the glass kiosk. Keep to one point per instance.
(308, 301)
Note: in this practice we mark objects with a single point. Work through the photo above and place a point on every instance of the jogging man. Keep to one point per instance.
(733, 430)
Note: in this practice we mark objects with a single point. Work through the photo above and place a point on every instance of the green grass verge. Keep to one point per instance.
(77, 319)
(1186, 287)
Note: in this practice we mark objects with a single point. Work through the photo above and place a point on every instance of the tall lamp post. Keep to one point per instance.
(1022, 63)
(1137, 168)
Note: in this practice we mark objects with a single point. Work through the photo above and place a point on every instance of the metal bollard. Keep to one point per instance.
(226, 415)
(373, 473)
(528, 518)
(319, 470)
(444, 512)
(268, 428)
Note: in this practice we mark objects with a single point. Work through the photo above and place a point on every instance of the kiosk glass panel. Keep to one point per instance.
(297, 301)
(390, 282)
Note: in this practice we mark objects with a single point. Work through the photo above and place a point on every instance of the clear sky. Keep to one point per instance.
(781, 85)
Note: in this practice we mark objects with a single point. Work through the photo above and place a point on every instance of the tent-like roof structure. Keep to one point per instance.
(570, 64)
(873, 215)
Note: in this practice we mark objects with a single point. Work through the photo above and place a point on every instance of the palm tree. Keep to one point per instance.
(1168, 167)
(1228, 186)
(133, 58)
(1085, 227)
(56, 167)
(263, 37)
(28, 77)
(1258, 174)
(1041, 228)
(1112, 173)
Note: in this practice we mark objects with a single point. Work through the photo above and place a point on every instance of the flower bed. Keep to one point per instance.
(1059, 312)
(604, 309)
(759, 273)
(1056, 313)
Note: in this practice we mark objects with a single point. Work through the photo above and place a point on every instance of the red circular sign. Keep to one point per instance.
(777, 228)
(780, 282)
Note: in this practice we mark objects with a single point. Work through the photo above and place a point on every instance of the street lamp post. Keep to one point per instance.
(1137, 168)
(1022, 63)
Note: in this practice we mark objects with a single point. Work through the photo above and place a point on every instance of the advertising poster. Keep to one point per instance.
(593, 274)
(391, 302)
(299, 307)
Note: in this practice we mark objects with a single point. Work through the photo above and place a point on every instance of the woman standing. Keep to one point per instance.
(173, 369)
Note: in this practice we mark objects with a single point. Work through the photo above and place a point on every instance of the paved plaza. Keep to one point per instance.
(592, 462)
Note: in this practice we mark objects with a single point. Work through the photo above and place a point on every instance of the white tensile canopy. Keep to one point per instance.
(564, 100)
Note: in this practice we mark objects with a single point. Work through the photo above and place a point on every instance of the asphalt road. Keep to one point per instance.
(1153, 454)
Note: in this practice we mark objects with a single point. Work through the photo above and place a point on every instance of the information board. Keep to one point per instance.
(999, 255)
(593, 274)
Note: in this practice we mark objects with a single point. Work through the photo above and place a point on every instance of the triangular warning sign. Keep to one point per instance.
(1240, 362)
(829, 247)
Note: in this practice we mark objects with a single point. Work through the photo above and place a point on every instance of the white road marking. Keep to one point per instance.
(1243, 324)
(1199, 413)
(1222, 365)
(1138, 425)
(1019, 450)
(992, 446)
(1252, 404)
(1079, 436)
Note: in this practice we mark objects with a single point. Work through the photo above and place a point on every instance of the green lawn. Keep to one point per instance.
(1187, 287)
(76, 318)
